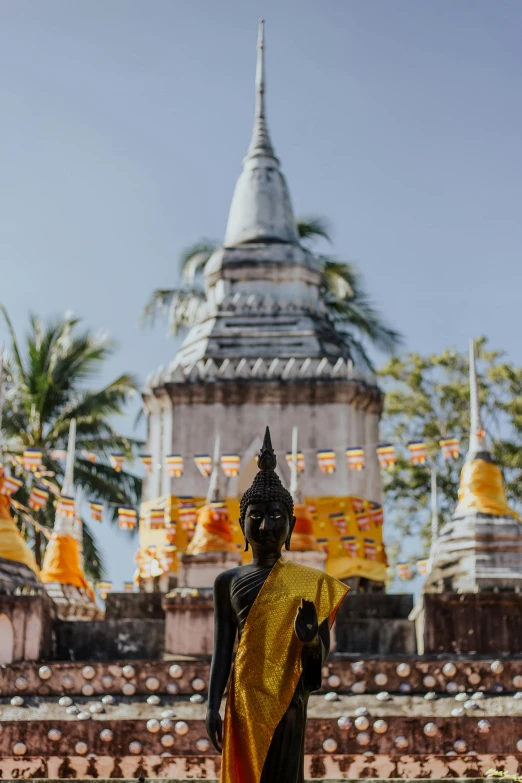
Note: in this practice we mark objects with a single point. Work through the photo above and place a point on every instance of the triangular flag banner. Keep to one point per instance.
(370, 549)
(66, 506)
(376, 514)
(230, 464)
(104, 588)
(418, 452)
(339, 520)
(11, 485)
(326, 461)
(117, 461)
(363, 520)
(351, 545)
(127, 517)
(174, 465)
(38, 497)
(57, 455)
(96, 509)
(128, 587)
(386, 455)
(357, 504)
(204, 464)
(92, 457)
(422, 567)
(300, 460)
(156, 518)
(404, 571)
(355, 458)
(32, 459)
(187, 513)
(168, 558)
(450, 448)
(146, 460)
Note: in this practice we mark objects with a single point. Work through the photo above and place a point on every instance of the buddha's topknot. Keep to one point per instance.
(266, 486)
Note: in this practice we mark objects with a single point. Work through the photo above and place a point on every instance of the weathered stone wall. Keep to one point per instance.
(109, 640)
(376, 624)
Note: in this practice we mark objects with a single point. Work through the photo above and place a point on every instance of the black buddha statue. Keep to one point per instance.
(282, 613)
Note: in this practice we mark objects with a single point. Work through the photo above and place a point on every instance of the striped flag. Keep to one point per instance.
(386, 455)
(127, 518)
(326, 460)
(10, 485)
(104, 588)
(418, 452)
(370, 550)
(422, 567)
(404, 571)
(32, 459)
(230, 464)
(156, 518)
(363, 521)
(219, 510)
(128, 587)
(146, 461)
(187, 513)
(355, 458)
(174, 465)
(339, 520)
(58, 454)
(351, 545)
(204, 464)
(300, 460)
(117, 461)
(168, 557)
(450, 448)
(91, 456)
(357, 504)
(376, 514)
(38, 497)
(96, 510)
(66, 506)
(324, 544)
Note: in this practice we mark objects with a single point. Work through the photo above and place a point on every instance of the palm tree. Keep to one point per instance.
(356, 319)
(47, 384)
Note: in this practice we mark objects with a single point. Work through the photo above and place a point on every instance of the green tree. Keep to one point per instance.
(427, 397)
(358, 322)
(48, 383)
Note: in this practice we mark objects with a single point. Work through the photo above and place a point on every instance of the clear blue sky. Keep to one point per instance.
(124, 124)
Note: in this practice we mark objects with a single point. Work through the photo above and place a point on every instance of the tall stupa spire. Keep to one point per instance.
(261, 208)
(477, 443)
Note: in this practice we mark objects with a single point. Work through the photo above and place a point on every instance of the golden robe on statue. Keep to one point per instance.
(269, 672)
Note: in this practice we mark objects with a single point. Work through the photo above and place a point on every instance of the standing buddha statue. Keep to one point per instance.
(282, 613)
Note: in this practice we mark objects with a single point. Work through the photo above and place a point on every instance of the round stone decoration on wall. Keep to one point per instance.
(431, 729)
(470, 704)
(381, 679)
(88, 673)
(483, 726)
(403, 669)
(19, 749)
(87, 689)
(68, 682)
(108, 699)
(452, 687)
(362, 723)
(358, 667)
(383, 696)
(17, 701)
(167, 724)
(106, 735)
(202, 745)
(45, 672)
(461, 746)
(21, 684)
(197, 698)
(330, 745)
(198, 684)
(152, 683)
(167, 740)
(334, 681)
(135, 747)
(168, 714)
(429, 681)
(96, 708)
(363, 738)
(176, 671)
(181, 728)
(84, 715)
(128, 672)
(54, 735)
(457, 712)
(519, 745)
(359, 686)
(449, 669)
(474, 678)
(107, 680)
(153, 725)
(380, 726)
(360, 711)
(65, 701)
(81, 748)
(401, 742)
(153, 699)
(72, 710)
(497, 667)
(517, 681)
(406, 688)
(345, 723)
(331, 696)
(172, 688)
(128, 689)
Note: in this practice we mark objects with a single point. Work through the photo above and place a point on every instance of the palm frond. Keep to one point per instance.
(313, 227)
(194, 258)
(92, 555)
(14, 343)
(181, 306)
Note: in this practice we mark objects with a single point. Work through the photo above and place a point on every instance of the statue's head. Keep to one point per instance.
(267, 509)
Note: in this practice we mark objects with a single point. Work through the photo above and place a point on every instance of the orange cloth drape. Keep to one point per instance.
(62, 562)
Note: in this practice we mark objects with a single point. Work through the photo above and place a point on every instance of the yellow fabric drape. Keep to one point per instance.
(12, 544)
(482, 489)
(268, 665)
(62, 563)
(212, 533)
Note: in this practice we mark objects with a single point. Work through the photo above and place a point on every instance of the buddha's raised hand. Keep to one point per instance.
(306, 624)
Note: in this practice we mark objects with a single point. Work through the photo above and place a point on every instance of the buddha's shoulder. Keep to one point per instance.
(228, 577)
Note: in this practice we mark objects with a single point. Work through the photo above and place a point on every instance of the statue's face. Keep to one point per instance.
(267, 526)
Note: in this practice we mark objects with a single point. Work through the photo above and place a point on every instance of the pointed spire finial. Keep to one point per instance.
(260, 144)
(477, 444)
(267, 458)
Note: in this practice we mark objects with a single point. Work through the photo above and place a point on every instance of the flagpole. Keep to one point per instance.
(434, 515)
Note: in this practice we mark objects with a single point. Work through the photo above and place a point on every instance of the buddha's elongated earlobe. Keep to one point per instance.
(287, 542)
(245, 548)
